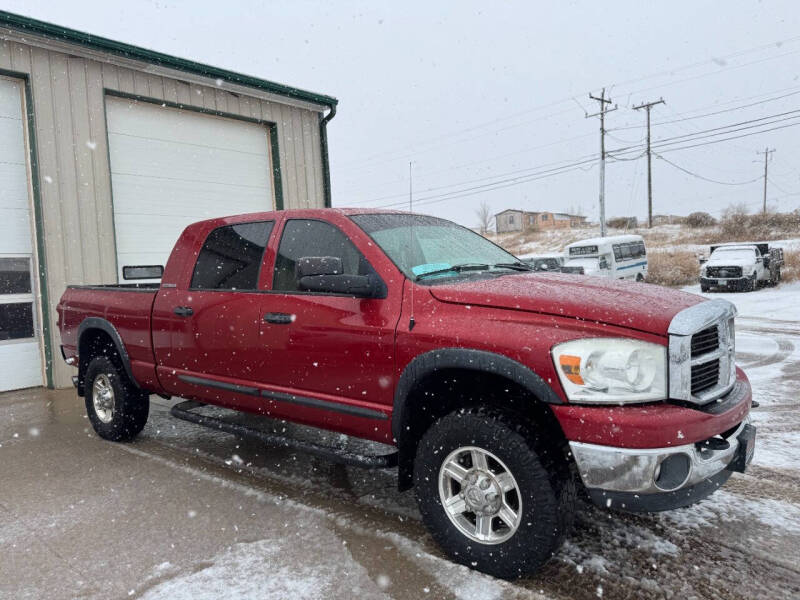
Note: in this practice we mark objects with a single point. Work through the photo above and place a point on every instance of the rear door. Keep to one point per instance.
(214, 322)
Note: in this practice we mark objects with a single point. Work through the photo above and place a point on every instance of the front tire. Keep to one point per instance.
(493, 495)
(117, 409)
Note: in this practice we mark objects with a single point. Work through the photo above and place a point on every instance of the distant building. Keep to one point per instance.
(519, 220)
(668, 219)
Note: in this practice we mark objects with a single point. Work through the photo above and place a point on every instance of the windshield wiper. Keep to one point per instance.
(517, 266)
(456, 268)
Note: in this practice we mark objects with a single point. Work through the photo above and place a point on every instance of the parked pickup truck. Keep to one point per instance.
(504, 390)
(742, 266)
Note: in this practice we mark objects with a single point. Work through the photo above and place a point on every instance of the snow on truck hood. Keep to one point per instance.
(730, 261)
(648, 308)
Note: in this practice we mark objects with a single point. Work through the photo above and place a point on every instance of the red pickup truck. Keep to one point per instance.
(505, 391)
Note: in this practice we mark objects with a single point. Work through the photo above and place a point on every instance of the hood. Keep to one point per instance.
(729, 262)
(627, 304)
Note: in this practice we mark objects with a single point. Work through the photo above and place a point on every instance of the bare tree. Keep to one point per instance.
(485, 218)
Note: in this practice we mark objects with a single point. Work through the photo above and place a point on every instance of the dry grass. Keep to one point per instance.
(791, 265)
(672, 267)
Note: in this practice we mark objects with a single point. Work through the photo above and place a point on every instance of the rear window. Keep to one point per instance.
(231, 257)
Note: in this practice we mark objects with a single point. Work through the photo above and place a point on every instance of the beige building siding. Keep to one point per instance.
(68, 96)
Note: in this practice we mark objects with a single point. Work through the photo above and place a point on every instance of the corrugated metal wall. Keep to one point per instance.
(73, 167)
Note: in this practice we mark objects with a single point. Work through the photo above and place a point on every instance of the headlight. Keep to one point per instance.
(611, 370)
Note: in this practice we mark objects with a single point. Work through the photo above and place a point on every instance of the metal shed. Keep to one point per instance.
(108, 150)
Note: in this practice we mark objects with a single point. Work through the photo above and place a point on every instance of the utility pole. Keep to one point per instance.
(604, 102)
(647, 106)
(766, 154)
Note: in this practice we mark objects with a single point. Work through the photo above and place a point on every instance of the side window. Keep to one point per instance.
(625, 250)
(617, 252)
(231, 257)
(301, 238)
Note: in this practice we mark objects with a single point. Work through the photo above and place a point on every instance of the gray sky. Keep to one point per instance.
(479, 94)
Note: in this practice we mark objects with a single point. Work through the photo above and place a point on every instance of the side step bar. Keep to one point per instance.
(184, 412)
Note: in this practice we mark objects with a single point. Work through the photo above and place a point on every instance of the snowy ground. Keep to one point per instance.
(186, 512)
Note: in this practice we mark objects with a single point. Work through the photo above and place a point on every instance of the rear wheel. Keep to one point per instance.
(639, 277)
(117, 409)
(492, 494)
(704, 287)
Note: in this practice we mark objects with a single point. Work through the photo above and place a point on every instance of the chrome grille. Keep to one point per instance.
(724, 272)
(705, 376)
(705, 341)
(577, 270)
(701, 352)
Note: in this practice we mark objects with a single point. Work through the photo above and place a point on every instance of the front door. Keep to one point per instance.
(329, 347)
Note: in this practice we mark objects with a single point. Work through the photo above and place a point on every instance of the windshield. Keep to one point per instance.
(589, 263)
(734, 253)
(419, 244)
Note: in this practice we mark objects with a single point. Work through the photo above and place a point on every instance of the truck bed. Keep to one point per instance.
(127, 307)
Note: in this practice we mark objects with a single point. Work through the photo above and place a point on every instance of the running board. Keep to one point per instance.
(184, 412)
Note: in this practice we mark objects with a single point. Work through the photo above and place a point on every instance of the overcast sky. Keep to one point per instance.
(481, 95)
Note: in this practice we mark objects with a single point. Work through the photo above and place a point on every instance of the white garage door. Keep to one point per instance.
(20, 356)
(171, 167)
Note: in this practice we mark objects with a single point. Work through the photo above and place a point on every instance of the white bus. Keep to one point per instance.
(615, 257)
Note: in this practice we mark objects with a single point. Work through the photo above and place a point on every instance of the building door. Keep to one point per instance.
(171, 167)
(20, 350)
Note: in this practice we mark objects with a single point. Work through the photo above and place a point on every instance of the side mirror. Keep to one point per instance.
(310, 266)
(353, 285)
(142, 272)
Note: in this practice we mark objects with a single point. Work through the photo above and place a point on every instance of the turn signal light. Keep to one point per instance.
(571, 366)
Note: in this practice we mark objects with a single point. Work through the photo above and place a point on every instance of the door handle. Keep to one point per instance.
(183, 311)
(278, 318)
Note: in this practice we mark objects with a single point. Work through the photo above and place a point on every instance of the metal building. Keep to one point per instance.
(107, 151)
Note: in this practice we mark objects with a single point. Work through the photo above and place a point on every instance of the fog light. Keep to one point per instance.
(672, 472)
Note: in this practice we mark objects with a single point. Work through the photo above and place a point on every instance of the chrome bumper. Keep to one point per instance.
(644, 471)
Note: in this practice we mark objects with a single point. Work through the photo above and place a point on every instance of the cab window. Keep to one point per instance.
(307, 237)
(231, 257)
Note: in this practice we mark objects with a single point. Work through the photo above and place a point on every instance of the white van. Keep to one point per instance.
(615, 257)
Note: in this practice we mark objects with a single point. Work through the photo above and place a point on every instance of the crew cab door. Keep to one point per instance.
(212, 320)
(326, 350)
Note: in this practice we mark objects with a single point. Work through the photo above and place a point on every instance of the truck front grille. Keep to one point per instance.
(576, 270)
(702, 352)
(705, 376)
(705, 341)
(724, 272)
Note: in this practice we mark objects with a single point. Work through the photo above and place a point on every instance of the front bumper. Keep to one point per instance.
(655, 479)
(733, 283)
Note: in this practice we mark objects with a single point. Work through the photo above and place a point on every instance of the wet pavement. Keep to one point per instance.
(187, 512)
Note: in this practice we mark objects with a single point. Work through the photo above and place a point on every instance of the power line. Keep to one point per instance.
(693, 174)
(481, 179)
(477, 162)
(504, 182)
(735, 137)
(711, 114)
(699, 135)
(715, 60)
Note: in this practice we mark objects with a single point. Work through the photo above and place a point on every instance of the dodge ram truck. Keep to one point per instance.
(505, 392)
